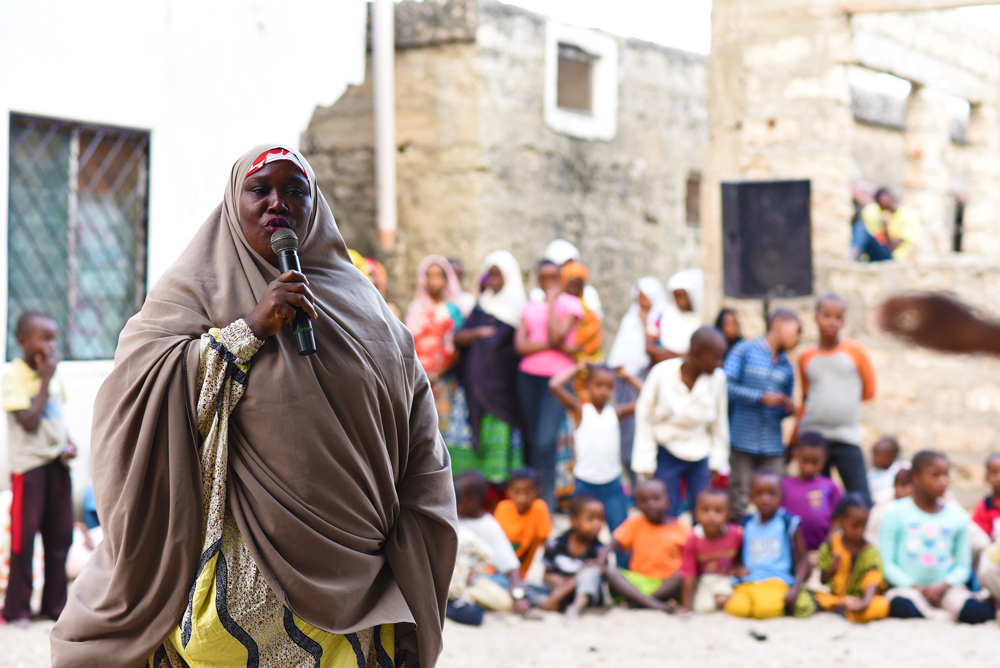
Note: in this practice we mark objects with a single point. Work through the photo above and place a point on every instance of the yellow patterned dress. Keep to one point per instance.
(232, 617)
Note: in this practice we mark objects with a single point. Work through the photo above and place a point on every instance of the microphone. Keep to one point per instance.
(285, 245)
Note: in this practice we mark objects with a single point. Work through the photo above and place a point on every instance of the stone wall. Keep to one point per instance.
(479, 170)
(946, 402)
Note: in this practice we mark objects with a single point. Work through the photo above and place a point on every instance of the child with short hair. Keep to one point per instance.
(572, 571)
(925, 548)
(774, 563)
(837, 377)
(710, 555)
(987, 512)
(524, 516)
(470, 493)
(597, 445)
(812, 496)
(885, 464)
(656, 541)
(38, 450)
(902, 488)
(851, 567)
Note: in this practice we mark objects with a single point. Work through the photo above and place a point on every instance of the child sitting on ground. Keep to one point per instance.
(987, 512)
(597, 443)
(470, 494)
(885, 465)
(524, 516)
(902, 488)
(571, 568)
(851, 567)
(710, 555)
(774, 563)
(812, 496)
(925, 548)
(656, 541)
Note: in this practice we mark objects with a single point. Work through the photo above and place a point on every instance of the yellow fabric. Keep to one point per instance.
(904, 224)
(758, 600)
(253, 619)
(994, 553)
(27, 451)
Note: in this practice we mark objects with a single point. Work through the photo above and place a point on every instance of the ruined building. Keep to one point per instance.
(513, 130)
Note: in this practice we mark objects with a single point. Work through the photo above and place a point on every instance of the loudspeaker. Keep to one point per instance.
(766, 239)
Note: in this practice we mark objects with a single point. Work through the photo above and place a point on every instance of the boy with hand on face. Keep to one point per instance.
(774, 563)
(572, 571)
(837, 376)
(656, 541)
(38, 450)
(710, 555)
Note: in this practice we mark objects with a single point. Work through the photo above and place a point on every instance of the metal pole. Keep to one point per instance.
(384, 96)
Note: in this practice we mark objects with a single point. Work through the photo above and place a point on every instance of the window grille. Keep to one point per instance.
(76, 230)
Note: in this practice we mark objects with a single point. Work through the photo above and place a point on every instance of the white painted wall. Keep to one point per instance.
(208, 79)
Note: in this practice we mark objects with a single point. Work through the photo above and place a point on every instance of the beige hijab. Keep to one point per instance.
(339, 480)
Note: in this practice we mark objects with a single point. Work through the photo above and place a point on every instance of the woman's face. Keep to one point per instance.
(575, 287)
(494, 280)
(682, 300)
(644, 303)
(273, 197)
(731, 327)
(436, 280)
(548, 276)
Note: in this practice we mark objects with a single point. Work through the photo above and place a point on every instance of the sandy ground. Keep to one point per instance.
(637, 637)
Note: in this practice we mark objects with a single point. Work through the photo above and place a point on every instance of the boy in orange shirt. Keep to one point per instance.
(524, 516)
(656, 541)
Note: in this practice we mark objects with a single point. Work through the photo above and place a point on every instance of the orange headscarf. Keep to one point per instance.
(572, 270)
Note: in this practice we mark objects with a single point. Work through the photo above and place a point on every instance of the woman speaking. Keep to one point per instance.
(263, 508)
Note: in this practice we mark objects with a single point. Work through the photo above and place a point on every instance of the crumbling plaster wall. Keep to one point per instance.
(479, 170)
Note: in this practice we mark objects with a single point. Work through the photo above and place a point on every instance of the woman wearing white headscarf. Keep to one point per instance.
(489, 373)
(669, 331)
(629, 350)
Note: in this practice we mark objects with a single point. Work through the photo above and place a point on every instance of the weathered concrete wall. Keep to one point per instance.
(621, 202)
(479, 169)
(946, 402)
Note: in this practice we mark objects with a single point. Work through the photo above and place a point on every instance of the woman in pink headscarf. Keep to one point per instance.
(433, 317)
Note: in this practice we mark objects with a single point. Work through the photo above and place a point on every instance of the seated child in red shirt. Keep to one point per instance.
(524, 516)
(656, 541)
(710, 555)
(987, 512)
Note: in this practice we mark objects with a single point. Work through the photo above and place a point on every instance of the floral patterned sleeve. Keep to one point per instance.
(222, 379)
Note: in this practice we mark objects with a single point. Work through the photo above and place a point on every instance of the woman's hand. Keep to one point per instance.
(277, 307)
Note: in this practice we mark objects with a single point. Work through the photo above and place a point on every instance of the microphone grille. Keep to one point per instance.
(283, 240)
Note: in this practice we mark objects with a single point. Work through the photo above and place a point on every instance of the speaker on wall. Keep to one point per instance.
(766, 239)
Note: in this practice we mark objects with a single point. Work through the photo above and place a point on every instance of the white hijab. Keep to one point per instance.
(676, 326)
(629, 348)
(505, 305)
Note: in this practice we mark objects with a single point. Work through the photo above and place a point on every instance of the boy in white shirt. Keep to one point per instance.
(682, 418)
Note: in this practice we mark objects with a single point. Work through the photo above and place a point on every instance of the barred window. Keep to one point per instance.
(76, 230)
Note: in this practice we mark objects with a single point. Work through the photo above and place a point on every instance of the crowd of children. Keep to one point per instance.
(678, 448)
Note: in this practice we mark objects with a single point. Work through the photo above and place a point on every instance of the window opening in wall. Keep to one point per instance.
(959, 224)
(76, 230)
(692, 200)
(573, 90)
(959, 111)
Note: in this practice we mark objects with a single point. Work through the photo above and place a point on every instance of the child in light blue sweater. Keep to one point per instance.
(926, 552)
